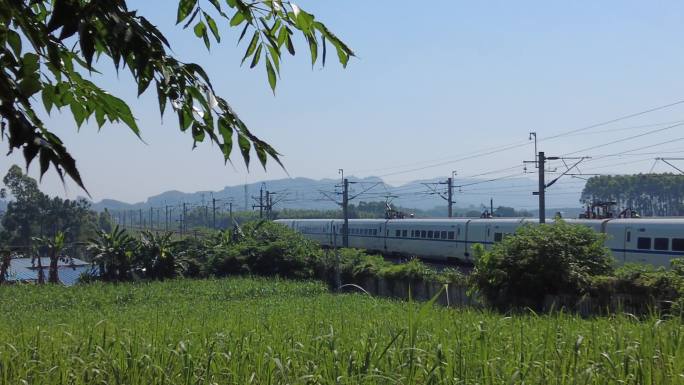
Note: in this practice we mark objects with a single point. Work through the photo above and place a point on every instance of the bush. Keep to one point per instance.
(657, 286)
(266, 248)
(549, 259)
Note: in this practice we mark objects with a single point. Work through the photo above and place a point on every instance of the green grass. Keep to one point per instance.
(241, 331)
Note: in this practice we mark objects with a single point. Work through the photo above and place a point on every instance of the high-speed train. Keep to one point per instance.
(653, 241)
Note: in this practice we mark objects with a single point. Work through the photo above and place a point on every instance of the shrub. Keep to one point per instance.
(549, 259)
(266, 248)
(652, 284)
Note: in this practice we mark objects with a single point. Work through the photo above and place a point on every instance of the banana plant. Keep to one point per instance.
(54, 246)
(113, 253)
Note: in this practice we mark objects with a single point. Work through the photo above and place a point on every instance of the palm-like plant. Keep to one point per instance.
(54, 246)
(113, 252)
(157, 257)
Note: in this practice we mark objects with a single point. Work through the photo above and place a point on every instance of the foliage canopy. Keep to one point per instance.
(66, 37)
(548, 259)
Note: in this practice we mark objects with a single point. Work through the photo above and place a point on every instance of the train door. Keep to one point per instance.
(461, 241)
(627, 244)
(384, 241)
(488, 236)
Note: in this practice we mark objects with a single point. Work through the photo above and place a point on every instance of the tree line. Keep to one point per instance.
(35, 224)
(648, 194)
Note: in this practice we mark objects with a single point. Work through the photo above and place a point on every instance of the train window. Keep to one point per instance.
(678, 244)
(450, 235)
(397, 233)
(444, 235)
(413, 233)
(429, 235)
(498, 237)
(423, 233)
(404, 233)
(643, 243)
(629, 236)
(375, 231)
(661, 243)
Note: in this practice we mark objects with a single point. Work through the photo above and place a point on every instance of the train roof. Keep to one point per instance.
(649, 221)
(625, 221)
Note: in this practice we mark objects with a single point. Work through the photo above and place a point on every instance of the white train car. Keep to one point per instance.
(653, 241)
(435, 239)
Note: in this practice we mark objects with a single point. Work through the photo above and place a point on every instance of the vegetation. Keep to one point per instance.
(66, 37)
(238, 331)
(664, 287)
(32, 215)
(551, 259)
(648, 194)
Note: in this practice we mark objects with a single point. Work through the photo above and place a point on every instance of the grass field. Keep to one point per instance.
(241, 331)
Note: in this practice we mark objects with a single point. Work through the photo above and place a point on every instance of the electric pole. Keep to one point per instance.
(450, 195)
(184, 220)
(230, 213)
(261, 204)
(491, 207)
(268, 205)
(345, 212)
(541, 160)
(213, 211)
(345, 205)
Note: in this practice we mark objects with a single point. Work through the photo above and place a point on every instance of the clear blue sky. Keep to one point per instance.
(432, 81)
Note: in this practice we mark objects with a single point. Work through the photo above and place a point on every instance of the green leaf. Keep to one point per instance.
(304, 21)
(290, 46)
(275, 56)
(257, 56)
(100, 117)
(245, 146)
(282, 36)
(122, 112)
(14, 40)
(227, 134)
(271, 75)
(242, 34)
(161, 98)
(197, 95)
(48, 96)
(252, 46)
(313, 48)
(29, 64)
(200, 29)
(197, 132)
(184, 9)
(342, 56)
(261, 153)
(79, 112)
(29, 86)
(238, 18)
(213, 27)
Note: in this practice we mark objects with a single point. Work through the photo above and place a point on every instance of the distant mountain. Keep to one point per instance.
(305, 193)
